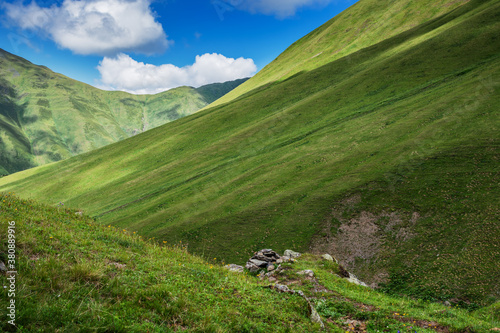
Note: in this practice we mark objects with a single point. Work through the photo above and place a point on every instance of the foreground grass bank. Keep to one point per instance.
(76, 276)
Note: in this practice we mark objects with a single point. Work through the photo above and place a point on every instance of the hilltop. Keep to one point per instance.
(386, 157)
(46, 117)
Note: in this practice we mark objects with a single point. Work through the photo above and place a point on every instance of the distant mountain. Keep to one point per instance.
(212, 92)
(46, 117)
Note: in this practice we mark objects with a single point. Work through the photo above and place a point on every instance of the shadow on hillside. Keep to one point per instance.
(15, 155)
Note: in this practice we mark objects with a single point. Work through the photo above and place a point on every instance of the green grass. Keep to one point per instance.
(408, 125)
(78, 276)
(47, 117)
(364, 24)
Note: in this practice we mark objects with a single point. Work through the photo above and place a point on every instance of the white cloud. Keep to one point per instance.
(126, 74)
(279, 8)
(104, 27)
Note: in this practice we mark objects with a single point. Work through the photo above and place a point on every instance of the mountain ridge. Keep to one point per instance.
(47, 116)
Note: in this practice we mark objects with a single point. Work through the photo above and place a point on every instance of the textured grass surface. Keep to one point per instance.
(47, 117)
(78, 276)
(408, 125)
(364, 24)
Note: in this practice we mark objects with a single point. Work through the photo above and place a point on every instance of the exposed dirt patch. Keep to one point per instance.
(356, 238)
(421, 323)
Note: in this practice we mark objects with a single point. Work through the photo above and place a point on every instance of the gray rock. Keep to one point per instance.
(315, 318)
(251, 267)
(291, 254)
(259, 263)
(353, 279)
(234, 268)
(266, 255)
(313, 314)
(282, 288)
(270, 268)
(3, 269)
(306, 272)
(285, 259)
(328, 257)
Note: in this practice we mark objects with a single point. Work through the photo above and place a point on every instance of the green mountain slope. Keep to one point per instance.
(46, 117)
(362, 25)
(388, 157)
(76, 276)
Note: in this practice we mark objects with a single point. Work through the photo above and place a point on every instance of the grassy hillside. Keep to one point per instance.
(78, 276)
(47, 117)
(387, 157)
(364, 24)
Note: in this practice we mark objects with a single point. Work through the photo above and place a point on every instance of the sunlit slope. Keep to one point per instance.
(366, 23)
(46, 117)
(409, 125)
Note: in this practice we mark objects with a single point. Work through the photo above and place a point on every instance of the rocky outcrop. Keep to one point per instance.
(267, 260)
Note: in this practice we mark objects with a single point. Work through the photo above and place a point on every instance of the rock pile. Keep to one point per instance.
(268, 263)
(268, 259)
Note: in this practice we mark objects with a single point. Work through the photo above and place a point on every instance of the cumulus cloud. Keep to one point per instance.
(104, 27)
(126, 74)
(279, 8)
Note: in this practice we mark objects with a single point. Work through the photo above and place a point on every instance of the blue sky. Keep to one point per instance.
(146, 46)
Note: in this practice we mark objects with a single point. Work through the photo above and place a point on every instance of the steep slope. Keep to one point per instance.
(46, 117)
(76, 276)
(364, 24)
(394, 148)
(212, 92)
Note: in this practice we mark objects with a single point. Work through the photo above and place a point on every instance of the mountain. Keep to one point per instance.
(386, 157)
(47, 117)
(364, 24)
(79, 276)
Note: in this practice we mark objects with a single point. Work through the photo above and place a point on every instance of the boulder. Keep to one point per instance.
(291, 254)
